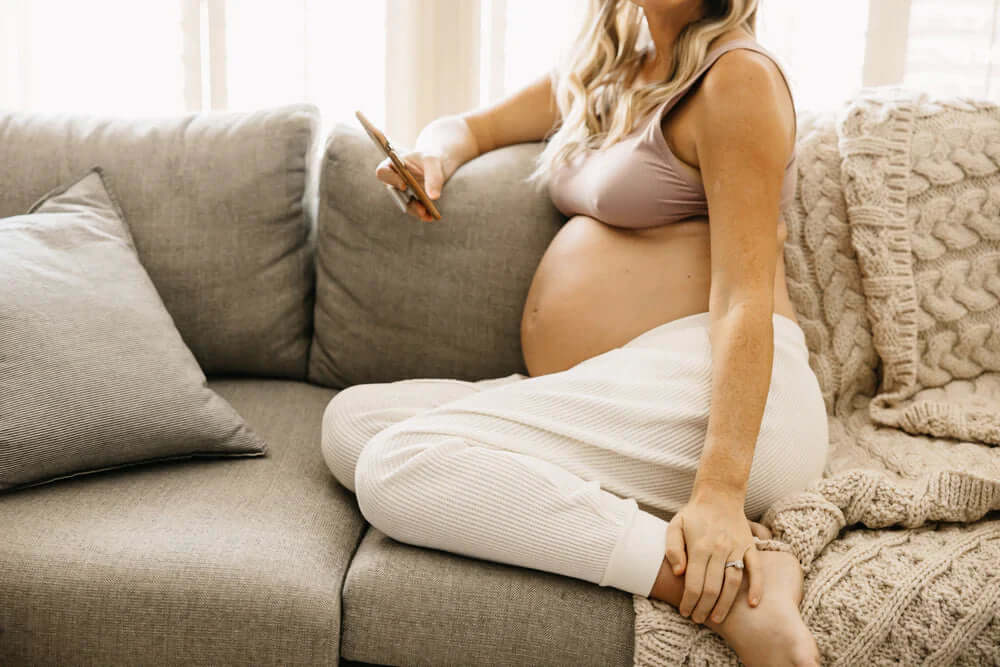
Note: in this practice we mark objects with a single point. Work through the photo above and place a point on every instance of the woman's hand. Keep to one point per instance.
(712, 529)
(430, 170)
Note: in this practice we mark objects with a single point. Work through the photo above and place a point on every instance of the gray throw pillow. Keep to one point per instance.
(93, 373)
(400, 298)
(220, 206)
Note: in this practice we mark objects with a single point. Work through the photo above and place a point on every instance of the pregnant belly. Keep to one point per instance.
(597, 287)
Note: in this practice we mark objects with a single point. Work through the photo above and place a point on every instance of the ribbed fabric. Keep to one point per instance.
(576, 472)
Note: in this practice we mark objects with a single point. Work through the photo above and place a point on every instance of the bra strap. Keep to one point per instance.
(710, 57)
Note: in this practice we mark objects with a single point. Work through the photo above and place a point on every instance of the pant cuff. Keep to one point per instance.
(637, 556)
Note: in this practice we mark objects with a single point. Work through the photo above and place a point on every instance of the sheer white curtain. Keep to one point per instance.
(405, 62)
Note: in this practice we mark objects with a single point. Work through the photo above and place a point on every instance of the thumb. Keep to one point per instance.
(675, 545)
(433, 176)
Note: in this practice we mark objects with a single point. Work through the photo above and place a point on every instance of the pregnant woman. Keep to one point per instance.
(670, 400)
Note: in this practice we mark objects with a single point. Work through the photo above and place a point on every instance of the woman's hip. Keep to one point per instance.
(635, 418)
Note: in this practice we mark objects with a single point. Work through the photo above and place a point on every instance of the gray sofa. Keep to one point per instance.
(291, 275)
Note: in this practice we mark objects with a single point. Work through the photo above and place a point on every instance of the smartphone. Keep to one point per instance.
(413, 190)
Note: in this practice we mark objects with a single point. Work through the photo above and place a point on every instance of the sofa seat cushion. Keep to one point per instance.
(406, 605)
(186, 562)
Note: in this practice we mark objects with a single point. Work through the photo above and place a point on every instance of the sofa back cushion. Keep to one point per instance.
(93, 373)
(400, 298)
(215, 203)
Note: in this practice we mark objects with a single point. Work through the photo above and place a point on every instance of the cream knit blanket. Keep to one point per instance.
(893, 262)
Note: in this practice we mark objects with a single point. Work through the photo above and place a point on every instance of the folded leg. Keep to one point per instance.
(579, 472)
(355, 414)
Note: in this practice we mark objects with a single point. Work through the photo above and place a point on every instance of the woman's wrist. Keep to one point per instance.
(450, 138)
(718, 489)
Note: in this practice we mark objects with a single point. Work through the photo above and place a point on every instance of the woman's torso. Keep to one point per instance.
(599, 285)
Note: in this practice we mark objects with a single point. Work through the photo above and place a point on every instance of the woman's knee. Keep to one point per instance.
(377, 484)
(401, 476)
(345, 431)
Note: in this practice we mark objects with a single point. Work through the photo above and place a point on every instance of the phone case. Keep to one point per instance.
(413, 189)
(402, 199)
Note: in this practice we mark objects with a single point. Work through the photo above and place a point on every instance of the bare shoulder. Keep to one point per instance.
(743, 82)
(744, 71)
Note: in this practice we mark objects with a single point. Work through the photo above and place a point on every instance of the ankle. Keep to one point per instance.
(668, 587)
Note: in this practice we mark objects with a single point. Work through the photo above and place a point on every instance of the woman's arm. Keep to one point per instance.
(743, 138)
(450, 137)
(527, 114)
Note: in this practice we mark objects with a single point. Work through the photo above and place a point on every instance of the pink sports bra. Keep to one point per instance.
(639, 182)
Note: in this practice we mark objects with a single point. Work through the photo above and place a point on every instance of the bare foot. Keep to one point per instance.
(760, 530)
(773, 632)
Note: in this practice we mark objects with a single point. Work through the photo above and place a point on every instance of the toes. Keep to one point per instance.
(760, 531)
(807, 655)
(809, 659)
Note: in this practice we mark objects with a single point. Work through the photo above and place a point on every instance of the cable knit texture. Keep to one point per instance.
(893, 263)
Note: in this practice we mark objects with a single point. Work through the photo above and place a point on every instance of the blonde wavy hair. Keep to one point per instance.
(590, 81)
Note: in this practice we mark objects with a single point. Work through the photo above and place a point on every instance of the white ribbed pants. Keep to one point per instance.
(577, 472)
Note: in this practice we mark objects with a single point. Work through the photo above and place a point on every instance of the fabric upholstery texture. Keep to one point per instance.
(186, 562)
(886, 582)
(406, 605)
(93, 373)
(399, 298)
(215, 204)
(242, 561)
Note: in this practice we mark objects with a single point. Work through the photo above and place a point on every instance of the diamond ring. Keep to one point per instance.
(738, 564)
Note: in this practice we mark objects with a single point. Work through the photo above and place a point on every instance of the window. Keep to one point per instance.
(535, 34)
(406, 62)
(952, 47)
(329, 53)
(161, 56)
(820, 45)
(76, 56)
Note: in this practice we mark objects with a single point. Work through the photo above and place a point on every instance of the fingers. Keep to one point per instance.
(675, 545)
(427, 169)
(753, 569)
(760, 530)
(730, 589)
(416, 208)
(433, 176)
(693, 580)
(386, 172)
(711, 587)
